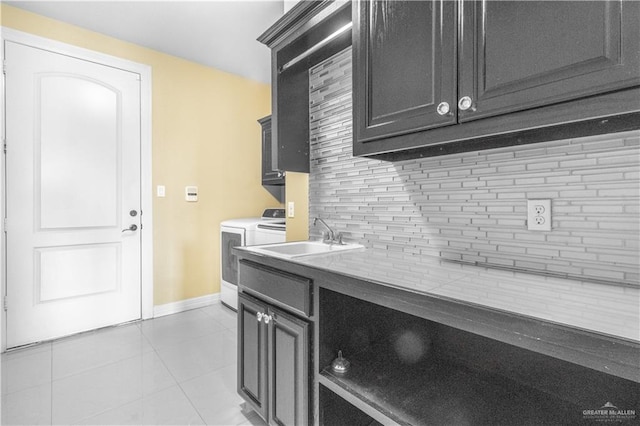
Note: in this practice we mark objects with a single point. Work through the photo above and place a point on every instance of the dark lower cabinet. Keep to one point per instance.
(252, 354)
(273, 362)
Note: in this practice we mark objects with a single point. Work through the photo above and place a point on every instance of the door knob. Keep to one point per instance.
(132, 228)
(133, 213)
(443, 108)
(465, 103)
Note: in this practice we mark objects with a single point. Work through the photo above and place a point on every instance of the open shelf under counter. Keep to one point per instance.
(441, 392)
(409, 370)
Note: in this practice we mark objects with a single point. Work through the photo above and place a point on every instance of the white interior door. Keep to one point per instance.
(73, 192)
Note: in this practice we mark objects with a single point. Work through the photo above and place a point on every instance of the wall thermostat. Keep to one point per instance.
(191, 193)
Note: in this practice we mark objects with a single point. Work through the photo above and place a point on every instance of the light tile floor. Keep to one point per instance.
(179, 369)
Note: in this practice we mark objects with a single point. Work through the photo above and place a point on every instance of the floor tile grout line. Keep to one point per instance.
(191, 403)
(173, 345)
(180, 387)
(220, 329)
(136, 399)
(179, 383)
(94, 367)
(142, 397)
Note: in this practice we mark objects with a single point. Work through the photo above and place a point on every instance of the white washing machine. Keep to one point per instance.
(248, 231)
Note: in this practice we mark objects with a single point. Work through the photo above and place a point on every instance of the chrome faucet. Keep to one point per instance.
(332, 236)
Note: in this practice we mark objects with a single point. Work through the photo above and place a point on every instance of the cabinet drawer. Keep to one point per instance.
(281, 288)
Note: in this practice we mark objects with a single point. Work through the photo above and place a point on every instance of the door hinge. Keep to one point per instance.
(4, 66)
(4, 304)
(4, 226)
(4, 146)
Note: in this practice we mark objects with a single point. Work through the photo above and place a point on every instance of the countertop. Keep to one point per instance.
(595, 307)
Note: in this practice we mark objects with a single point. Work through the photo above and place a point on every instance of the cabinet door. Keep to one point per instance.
(404, 66)
(288, 369)
(518, 55)
(270, 175)
(252, 354)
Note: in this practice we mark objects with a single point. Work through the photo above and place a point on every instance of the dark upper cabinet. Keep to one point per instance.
(435, 77)
(518, 55)
(273, 362)
(270, 173)
(305, 36)
(406, 66)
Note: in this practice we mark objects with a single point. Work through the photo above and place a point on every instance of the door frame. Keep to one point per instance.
(145, 72)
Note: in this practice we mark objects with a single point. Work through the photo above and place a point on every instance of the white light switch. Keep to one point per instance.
(291, 209)
(191, 193)
(160, 191)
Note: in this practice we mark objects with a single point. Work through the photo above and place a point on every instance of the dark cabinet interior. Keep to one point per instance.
(409, 370)
(308, 34)
(436, 77)
(270, 173)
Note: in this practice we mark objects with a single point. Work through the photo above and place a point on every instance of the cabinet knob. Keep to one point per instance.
(443, 108)
(465, 103)
(267, 318)
(259, 316)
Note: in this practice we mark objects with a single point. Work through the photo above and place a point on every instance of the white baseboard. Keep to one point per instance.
(185, 305)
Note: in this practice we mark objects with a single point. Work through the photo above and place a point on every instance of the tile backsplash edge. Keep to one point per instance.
(471, 207)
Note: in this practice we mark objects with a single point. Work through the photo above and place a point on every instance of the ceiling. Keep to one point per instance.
(216, 33)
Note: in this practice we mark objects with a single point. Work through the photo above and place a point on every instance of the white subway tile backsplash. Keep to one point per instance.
(472, 206)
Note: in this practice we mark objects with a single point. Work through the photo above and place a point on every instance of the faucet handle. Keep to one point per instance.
(338, 238)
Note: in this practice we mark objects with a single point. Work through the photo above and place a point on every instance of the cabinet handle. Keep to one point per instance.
(267, 318)
(465, 103)
(443, 108)
(259, 316)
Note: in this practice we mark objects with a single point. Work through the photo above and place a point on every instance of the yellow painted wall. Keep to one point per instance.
(297, 191)
(204, 133)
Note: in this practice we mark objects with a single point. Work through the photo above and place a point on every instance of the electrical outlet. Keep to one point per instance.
(291, 209)
(539, 215)
(539, 220)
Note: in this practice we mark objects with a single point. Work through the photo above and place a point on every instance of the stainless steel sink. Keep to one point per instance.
(302, 248)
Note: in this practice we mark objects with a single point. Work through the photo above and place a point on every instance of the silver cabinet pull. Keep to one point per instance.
(443, 108)
(259, 316)
(132, 228)
(267, 318)
(465, 103)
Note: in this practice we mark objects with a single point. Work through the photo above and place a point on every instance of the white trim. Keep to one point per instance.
(145, 72)
(185, 305)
